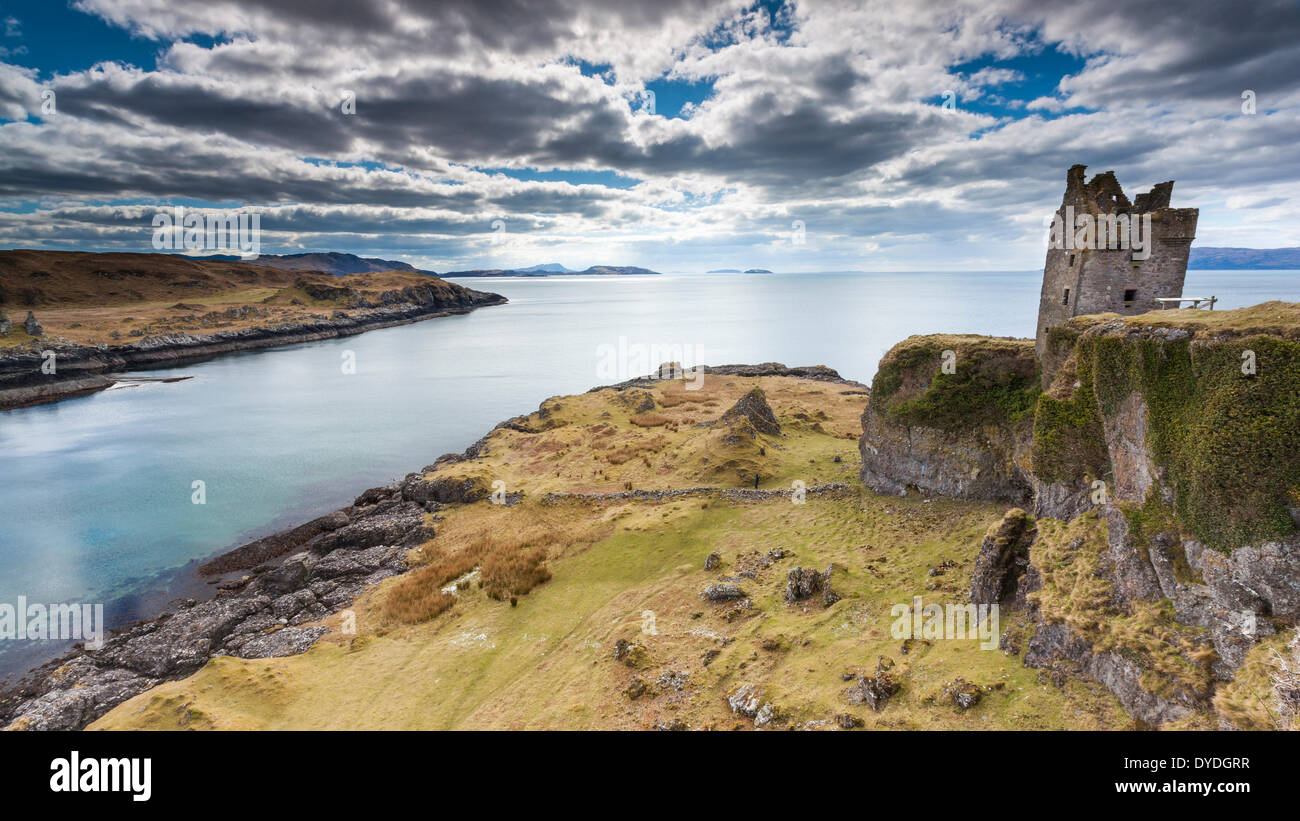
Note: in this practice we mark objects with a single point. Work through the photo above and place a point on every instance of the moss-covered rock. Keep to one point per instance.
(1160, 669)
(988, 381)
(1222, 435)
(1068, 442)
(951, 415)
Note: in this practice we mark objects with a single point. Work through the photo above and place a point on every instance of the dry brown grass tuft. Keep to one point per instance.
(636, 449)
(649, 420)
(413, 604)
(513, 573)
(509, 546)
(419, 597)
(675, 393)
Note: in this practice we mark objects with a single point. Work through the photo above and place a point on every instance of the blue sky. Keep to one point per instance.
(683, 135)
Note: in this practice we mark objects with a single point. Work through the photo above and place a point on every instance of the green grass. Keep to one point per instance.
(17, 337)
(548, 662)
(1069, 444)
(995, 382)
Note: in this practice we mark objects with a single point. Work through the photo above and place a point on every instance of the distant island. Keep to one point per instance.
(552, 269)
(1210, 258)
(547, 268)
(738, 271)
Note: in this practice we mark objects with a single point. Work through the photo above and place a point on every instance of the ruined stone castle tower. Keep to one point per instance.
(1093, 272)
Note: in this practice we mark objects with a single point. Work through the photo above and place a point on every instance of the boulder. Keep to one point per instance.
(630, 654)
(805, 582)
(873, 691)
(753, 407)
(960, 693)
(636, 689)
(746, 701)
(1003, 558)
(721, 592)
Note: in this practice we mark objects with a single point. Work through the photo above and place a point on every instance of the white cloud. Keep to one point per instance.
(828, 116)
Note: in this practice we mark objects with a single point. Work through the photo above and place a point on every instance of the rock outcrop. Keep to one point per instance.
(1165, 542)
(1162, 428)
(752, 408)
(722, 592)
(873, 690)
(951, 416)
(1003, 558)
(459, 488)
(805, 582)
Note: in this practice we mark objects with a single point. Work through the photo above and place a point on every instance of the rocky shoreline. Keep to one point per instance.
(85, 369)
(273, 593)
(262, 607)
(259, 614)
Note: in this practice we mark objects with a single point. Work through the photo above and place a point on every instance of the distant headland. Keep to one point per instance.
(79, 319)
(1208, 258)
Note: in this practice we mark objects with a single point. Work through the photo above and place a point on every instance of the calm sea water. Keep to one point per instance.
(96, 493)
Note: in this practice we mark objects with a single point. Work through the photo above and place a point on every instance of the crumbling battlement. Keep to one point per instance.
(1097, 276)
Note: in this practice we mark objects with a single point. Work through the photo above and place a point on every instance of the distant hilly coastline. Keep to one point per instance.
(1210, 258)
(328, 262)
(341, 264)
(738, 271)
(547, 268)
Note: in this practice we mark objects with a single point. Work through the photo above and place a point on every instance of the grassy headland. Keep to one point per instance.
(115, 299)
(513, 613)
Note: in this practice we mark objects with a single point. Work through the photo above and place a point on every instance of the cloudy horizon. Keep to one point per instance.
(679, 136)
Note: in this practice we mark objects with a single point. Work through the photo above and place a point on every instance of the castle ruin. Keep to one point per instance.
(1094, 265)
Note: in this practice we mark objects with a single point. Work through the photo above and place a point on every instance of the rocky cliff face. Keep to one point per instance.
(951, 416)
(1167, 502)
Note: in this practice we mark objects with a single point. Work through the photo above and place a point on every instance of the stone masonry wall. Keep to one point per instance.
(1098, 279)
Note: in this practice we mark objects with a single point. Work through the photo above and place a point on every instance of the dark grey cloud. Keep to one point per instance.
(450, 27)
(1188, 50)
(829, 125)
